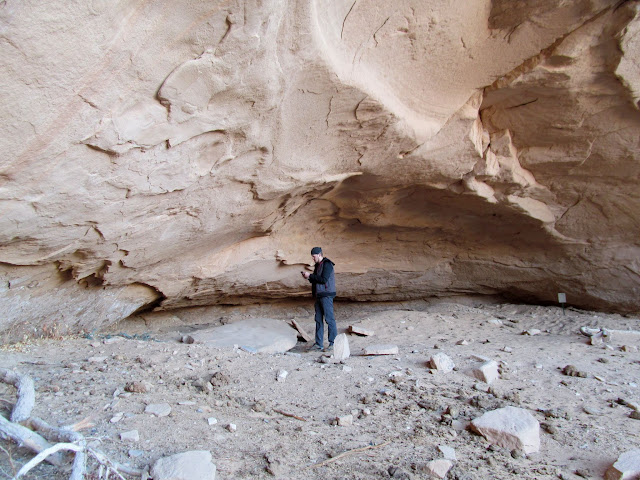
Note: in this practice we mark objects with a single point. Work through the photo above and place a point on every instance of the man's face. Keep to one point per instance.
(317, 257)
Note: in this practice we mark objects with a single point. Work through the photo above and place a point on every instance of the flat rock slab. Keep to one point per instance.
(260, 335)
(360, 330)
(487, 372)
(194, 465)
(510, 427)
(380, 350)
(626, 467)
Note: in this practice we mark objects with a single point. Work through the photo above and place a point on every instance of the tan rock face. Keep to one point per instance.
(186, 153)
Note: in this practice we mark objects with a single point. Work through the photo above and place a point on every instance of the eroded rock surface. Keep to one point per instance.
(184, 153)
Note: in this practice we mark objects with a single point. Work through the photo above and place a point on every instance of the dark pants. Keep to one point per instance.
(324, 306)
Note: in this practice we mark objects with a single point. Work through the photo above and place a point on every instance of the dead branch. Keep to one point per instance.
(27, 438)
(38, 459)
(290, 415)
(349, 452)
(26, 394)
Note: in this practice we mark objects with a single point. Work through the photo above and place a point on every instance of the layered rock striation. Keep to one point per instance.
(169, 154)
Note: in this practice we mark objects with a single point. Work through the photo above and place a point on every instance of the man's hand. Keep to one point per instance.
(305, 274)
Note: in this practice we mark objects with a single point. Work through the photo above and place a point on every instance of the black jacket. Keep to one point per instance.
(323, 279)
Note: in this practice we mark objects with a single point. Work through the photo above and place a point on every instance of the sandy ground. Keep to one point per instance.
(402, 411)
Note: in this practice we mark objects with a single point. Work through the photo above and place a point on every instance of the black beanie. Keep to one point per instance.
(316, 250)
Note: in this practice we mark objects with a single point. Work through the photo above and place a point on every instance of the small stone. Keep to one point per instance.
(635, 415)
(187, 339)
(495, 321)
(346, 368)
(185, 466)
(96, 359)
(359, 330)
(463, 342)
(131, 436)
(532, 332)
(448, 452)
(510, 427)
(441, 362)
(507, 349)
(591, 410)
(117, 417)
(572, 371)
(626, 467)
(345, 420)
(138, 387)
(112, 340)
(135, 453)
(629, 348)
(439, 468)
(282, 375)
(231, 427)
(487, 372)
(212, 420)
(158, 409)
(381, 350)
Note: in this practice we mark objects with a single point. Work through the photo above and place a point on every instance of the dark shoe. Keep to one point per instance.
(329, 348)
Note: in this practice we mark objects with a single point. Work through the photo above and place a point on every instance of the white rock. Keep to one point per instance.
(495, 321)
(194, 465)
(487, 372)
(345, 420)
(360, 330)
(533, 331)
(441, 362)
(341, 347)
(232, 427)
(448, 452)
(381, 350)
(158, 409)
(117, 417)
(131, 436)
(626, 467)
(463, 342)
(212, 420)
(510, 427)
(439, 468)
(282, 375)
(96, 359)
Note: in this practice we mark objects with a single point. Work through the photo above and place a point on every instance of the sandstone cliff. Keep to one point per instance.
(163, 154)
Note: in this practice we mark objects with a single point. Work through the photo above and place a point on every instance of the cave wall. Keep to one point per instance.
(167, 154)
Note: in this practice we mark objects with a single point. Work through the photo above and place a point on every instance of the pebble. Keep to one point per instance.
(231, 427)
(439, 468)
(487, 372)
(212, 420)
(96, 359)
(345, 420)
(135, 453)
(131, 436)
(448, 452)
(572, 371)
(282, 375)
(532, 332)
(158, 409)
(117, 417)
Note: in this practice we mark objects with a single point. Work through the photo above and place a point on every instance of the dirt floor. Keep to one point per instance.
(402, 411)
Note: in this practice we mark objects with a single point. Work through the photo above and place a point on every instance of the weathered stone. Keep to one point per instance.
(360, 330)
(439, 468)
(510, 427)
(138, 387)
(264, 335)
(380, 350)
(341, 348)
(487, 372)
(441, 362)
(282, 375)
(345, 420)
(194, 465)
(158, 409)
(627, 467)
(131, 436)
(448, 452)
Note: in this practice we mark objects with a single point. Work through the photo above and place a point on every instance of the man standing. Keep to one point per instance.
(323, 289)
